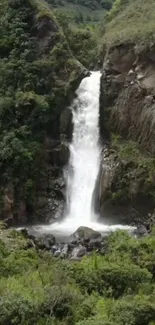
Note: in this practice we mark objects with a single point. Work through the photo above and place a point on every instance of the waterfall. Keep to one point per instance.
(85, 152)
(84, 161)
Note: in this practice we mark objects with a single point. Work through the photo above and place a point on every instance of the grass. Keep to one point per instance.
(134, 23)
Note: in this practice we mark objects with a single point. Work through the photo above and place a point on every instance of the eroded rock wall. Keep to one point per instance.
(127, 116)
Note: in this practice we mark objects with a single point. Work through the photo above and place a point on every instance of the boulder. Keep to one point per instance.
(64, 251)
(84, 233)
(57, 253)
(41, 241)
(45, 241)
(78, 252)
(141, 231)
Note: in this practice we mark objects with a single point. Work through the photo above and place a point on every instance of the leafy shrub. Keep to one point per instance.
(109, 278)
(16, 310)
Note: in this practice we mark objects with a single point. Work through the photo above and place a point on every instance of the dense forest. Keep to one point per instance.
(36, 77)
(46, 48)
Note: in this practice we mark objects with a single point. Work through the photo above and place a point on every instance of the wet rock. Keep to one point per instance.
(9, 222)
(45, 242)
(85, 233)
(54, 248)
(57, 253)
(120, 79)
(59, 155)
(29, 233)
(73, 241)
(66, 125)
(52, 207)
(41, 241)
(78, 252)
(64, 251)
(41, 202)
(141, 231)
(22, 212)
(95, 242)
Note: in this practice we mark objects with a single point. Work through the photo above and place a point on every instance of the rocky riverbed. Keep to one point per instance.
(84, 241)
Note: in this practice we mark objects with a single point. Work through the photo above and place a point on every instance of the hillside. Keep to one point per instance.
(80, 13)
(38, 74)
(90, 4)
(128, 109)
(130, 21)
(87, 278)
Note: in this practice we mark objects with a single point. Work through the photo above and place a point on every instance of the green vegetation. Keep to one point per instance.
(135, 173)
(82, 22)
(91, 4)
(82, 12)
(82, 41)
(130, 21)
(37, 78)
(117, 288)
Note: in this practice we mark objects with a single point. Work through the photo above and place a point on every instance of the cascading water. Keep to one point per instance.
(84, 161)
(85, 152)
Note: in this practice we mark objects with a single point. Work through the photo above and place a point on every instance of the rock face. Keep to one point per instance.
(126, 187)
(127, 94)
(124, 193)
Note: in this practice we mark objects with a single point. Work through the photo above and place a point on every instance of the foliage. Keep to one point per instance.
(116, 288)
(82, 41)
(35, 84)
(135, 172)
(91, 4)
(130, 21)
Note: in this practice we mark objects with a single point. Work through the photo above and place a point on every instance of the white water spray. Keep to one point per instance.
(85, 152)
(84, 161)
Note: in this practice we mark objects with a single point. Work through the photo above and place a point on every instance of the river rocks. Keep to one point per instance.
(41, 241)
(73, 249)
(141, 231)
(78, 252)
(85, 233)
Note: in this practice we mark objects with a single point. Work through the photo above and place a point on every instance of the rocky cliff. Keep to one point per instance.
(127, 182)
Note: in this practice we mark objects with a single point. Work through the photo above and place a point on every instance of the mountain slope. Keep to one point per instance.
(130, 21)
(91, 4)
(128, 110)
(37, 76)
